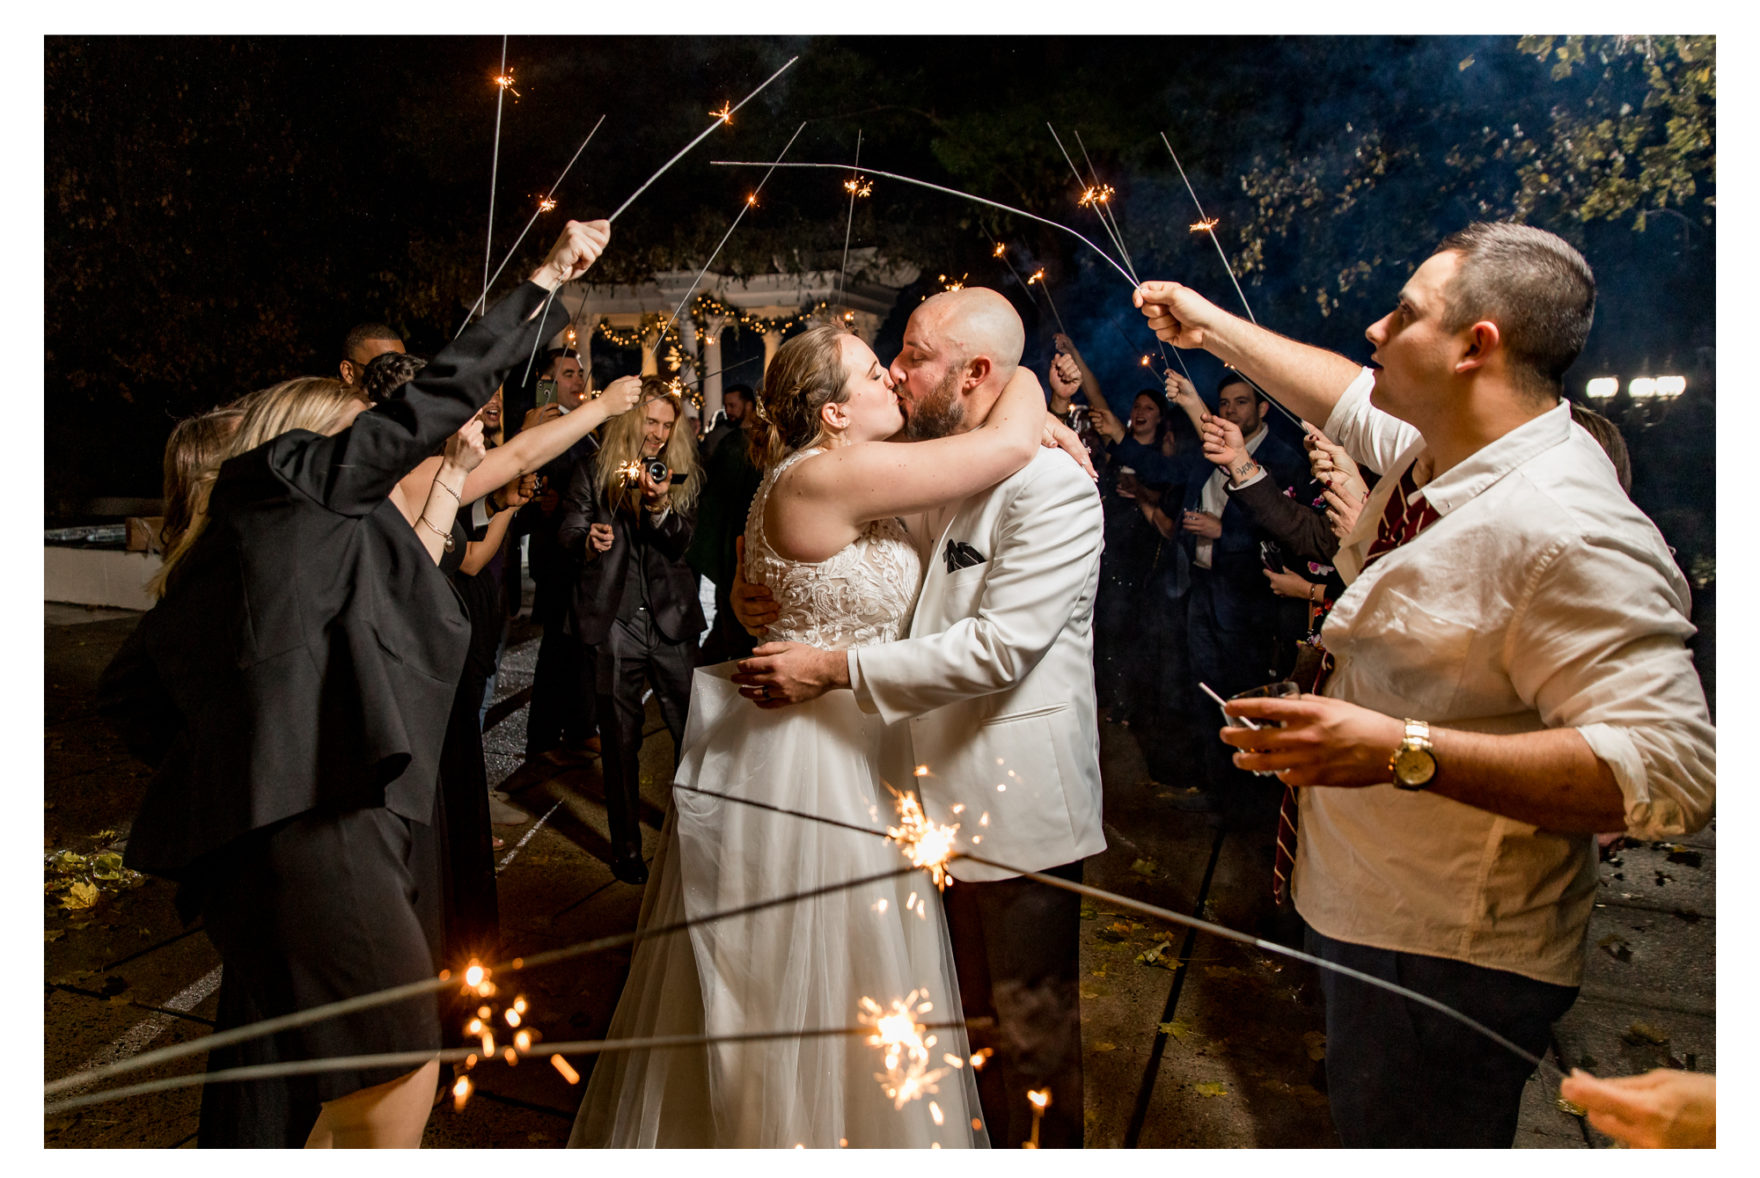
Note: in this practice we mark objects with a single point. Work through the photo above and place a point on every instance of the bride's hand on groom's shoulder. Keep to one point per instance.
(782, 673)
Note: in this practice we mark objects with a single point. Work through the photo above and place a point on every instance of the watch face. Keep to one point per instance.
(1413, 767)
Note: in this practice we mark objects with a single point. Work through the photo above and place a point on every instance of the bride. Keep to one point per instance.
(824, 535)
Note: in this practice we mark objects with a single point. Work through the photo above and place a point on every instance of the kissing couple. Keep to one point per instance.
(970, 688)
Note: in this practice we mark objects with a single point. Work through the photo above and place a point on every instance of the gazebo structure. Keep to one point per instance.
(769, 304)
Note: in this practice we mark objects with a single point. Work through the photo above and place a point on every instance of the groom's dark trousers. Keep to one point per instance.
(1016, 951)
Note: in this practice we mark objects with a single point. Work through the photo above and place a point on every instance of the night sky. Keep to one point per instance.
(219, 210)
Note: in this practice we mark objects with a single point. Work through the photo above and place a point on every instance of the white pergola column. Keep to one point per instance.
(711, 369)
(772, 341)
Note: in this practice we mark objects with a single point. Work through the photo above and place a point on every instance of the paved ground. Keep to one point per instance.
(1189, 1040)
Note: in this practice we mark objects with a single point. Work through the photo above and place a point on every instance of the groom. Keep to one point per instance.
(996, 682)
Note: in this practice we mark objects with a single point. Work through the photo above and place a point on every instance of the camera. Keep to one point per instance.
(657, 472)
(546, 393)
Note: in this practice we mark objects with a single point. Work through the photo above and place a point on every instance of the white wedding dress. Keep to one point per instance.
(801, 966)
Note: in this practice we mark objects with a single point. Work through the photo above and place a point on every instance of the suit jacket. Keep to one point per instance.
(996, 680)
(307, 650)
(1245, 600)
(553, 569)
(1298, 529)
(598, 584)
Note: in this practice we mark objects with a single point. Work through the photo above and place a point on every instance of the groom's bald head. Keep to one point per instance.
(960, 349)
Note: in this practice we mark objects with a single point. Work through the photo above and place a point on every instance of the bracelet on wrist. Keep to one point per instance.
(446, 537)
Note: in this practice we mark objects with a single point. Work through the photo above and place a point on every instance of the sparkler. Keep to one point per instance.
(1061, 228)
(1040, 1099)
(904, 1048)
(1208, 225)
(505, 83)
(854, 186)
(544, 206)
(722, 118)
(1039, 277)
(751, 203)
(926, 844)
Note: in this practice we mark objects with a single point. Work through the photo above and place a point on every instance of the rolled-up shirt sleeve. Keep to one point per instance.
(1598, 645)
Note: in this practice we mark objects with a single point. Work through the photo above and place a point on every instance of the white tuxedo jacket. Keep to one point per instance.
(995, 684)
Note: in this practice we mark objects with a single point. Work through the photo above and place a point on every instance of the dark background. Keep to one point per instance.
(219, 211)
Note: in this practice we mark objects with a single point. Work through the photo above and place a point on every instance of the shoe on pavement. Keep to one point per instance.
(630, 869)
(502, 814)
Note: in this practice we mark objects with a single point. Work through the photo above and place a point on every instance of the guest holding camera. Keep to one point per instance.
(627, 518)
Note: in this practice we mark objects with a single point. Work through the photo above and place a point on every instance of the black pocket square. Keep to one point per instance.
(961, 556)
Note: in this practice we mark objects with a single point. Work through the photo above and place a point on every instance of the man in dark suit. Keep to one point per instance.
(563, 710)
(1237, 630)
(635, 599)
(730, 480)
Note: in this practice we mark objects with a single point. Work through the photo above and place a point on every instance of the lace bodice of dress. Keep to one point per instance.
(858, 596)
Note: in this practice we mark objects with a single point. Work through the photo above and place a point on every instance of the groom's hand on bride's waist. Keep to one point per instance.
(783, 673)
(753, 607)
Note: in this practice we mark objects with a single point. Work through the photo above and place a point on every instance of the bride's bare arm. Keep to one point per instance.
(878, 480)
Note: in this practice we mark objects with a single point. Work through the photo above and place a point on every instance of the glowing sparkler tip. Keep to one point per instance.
(999, 250)
(1040, 1098)
(545, 206)
(474, 975)
(568, 1073)
(1206, 225)
(752, 200)
(725, 114)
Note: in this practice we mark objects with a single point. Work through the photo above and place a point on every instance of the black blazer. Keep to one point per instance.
(307, 650)
(1298, 528)
(598, 586)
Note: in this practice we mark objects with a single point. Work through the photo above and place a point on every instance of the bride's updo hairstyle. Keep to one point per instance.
(804, 376)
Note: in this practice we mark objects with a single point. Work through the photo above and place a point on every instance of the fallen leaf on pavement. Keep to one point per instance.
(1315, 1043)
(1641, 1032)
(1104, 1045)
(1210, 1090)
(1179, 1028)
(80, 895)
(1615, 946)
(1146, 868)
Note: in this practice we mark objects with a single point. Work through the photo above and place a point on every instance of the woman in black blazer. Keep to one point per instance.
(291, 690)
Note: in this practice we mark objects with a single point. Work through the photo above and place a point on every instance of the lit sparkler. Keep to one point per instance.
(1040, 1099)
(1097, 195)
(926, 844)
(546, 204)
(505, 78)
(505, 81)
(1206, 225)
(461, 1093)
(860, 186)
(725, 114)
(568, 1073)
(853, 186)
(904, 1048)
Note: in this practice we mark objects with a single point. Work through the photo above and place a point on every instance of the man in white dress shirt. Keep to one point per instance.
(991, 697)
(1511, 677)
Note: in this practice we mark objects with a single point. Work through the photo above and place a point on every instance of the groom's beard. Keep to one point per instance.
(940, 414)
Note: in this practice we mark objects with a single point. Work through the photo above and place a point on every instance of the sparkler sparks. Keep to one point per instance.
(505, 81)
(999, 250)
(546, 204)
(461, 1093)
(904, 1048)
(1040, 1099)
(725, 114)
(1098, 194)
(926, 844)
(859, 186)
(568, 1073)
(1206, 225)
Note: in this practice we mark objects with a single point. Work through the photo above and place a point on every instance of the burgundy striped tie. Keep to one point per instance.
(1401, 520)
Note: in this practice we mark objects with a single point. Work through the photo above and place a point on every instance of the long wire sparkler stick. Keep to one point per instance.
(1171, 916)
(722, 118)
(849, 224)
(308, 1067)
(495, 161)
(950, 192)
(484, 297)
(1111, 226)
(750, 203)
(1211, 231)
(408, 990)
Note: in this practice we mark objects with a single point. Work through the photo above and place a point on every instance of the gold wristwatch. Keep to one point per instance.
(1413, 764)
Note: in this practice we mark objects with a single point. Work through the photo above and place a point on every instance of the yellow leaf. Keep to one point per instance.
(1103, 1045)
(81, 895)
(1210, 1090)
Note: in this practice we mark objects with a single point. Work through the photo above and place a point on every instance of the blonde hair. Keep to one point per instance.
(623, 445)
(312, 403)
(804, 376)
(192, 455)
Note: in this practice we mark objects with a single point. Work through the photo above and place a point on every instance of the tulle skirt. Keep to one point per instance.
(797, 967)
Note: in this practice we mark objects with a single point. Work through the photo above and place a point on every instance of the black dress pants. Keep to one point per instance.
(1228, 661)
(634, 656)
(1016, 952)
(564, 708)
(1400, 1074)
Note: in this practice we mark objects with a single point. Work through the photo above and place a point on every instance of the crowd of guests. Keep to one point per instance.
(300, 518)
